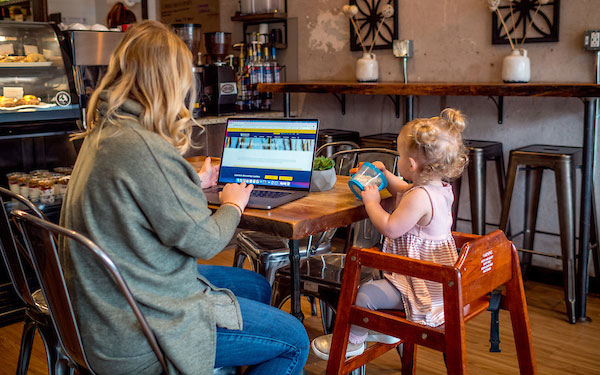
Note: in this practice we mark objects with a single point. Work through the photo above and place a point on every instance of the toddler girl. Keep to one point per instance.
(431, 152)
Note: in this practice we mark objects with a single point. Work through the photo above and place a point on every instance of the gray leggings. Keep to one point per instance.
(375, 295)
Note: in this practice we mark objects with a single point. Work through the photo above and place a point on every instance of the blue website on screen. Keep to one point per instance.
(269, 152)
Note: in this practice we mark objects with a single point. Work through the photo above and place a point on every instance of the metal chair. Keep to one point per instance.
(320, 275)
(18, 263)
(40, 242)
(484, 264)
(268, 253)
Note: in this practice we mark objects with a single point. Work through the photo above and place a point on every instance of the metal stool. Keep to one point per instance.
(563, 161)
(480, 152)
(268, 253)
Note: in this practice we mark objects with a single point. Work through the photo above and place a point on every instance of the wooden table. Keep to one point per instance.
(588, 92)
(315, 213)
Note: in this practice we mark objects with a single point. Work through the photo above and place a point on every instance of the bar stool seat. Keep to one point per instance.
(480, 152)
(563, 160)
(267, 253)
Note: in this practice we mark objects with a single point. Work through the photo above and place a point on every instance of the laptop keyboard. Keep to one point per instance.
(268, 193)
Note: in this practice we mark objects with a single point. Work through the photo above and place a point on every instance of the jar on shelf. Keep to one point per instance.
(60, 187)
(47, 191)
(13, 181)
(35, 188)
(24, 184)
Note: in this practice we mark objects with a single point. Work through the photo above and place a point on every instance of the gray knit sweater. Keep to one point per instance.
(136, 197)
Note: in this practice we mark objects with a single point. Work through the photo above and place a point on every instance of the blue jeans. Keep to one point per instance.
(272, 341)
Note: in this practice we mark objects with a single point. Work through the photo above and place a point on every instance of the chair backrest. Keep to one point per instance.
(348, 159)
(330, 148)
(39, 237)
(12, 249)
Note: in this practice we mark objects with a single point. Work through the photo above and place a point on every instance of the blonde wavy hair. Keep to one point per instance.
(153, 67)
(437, 144)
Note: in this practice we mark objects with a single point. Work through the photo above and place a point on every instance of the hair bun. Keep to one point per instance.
(425, 134)
(455, 119)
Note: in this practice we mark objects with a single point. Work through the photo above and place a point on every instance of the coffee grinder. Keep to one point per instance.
(191, 34)
(219, 77)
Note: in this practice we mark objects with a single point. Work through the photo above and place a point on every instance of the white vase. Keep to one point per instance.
(323, 180)
(367, 69)
(516, 67)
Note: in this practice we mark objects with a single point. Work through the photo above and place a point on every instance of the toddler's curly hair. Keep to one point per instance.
(437, 144)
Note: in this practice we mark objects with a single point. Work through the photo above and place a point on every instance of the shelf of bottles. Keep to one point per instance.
(257, 64)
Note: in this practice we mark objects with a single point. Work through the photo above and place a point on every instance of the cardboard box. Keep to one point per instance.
(204, 12)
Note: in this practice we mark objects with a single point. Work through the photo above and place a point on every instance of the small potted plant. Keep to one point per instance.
(323, 177)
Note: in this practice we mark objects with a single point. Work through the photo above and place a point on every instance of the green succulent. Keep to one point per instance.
(323, 163)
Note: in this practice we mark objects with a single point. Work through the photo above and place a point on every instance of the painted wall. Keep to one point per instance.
(452, 41)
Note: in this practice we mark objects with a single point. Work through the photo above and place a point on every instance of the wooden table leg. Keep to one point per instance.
(589, 141)
(295, 279)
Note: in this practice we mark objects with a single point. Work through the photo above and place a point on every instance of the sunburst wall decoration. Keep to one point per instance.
(368, 21)
(527, 21)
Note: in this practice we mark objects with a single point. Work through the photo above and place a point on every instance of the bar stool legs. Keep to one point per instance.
(480, 152)
(563, 161)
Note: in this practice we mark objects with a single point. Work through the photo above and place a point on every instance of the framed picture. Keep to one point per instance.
(368, 20)
(526, 19)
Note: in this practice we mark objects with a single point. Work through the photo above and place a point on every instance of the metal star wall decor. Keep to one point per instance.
(527, 21)
(368, 18)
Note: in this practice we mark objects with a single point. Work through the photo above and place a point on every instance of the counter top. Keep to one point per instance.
(552, 89)
(211, 120)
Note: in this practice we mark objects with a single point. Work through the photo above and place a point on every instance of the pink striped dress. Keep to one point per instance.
(423, 300)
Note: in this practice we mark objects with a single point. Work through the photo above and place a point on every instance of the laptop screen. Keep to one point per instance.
(269, 152)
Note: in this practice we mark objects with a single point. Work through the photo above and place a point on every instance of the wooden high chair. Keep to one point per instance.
(484, 264)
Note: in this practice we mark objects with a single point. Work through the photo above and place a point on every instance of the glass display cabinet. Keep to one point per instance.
(37, 91)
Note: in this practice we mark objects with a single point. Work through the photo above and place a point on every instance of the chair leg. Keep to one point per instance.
(477, 176)
(313, 305)
(566, 217)
(508, 192)
(517, 306)
(57, 362)
(26, 345)
(533, 187)
(341, 331)
(238, 260)
(456, 185)
(501, 177)
(409, 356)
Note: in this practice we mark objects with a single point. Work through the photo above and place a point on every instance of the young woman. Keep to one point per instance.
(132, 193)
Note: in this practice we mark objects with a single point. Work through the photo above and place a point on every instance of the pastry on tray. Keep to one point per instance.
(12, 102)
(32, 57)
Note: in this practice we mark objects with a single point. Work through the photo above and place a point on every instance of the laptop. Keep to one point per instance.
(276, 155)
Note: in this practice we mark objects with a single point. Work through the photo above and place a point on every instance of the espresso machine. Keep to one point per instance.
(191, 34)
(220, 87)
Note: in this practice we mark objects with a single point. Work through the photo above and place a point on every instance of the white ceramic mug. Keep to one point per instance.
(367, 69)
(516, 67)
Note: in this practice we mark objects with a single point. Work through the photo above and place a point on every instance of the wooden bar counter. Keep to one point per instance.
(588, 92)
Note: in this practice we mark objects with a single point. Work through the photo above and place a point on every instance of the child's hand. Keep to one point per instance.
(379, 165)
(371, 194)
(208, 174)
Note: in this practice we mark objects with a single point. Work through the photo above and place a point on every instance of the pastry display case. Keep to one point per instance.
(37, 91)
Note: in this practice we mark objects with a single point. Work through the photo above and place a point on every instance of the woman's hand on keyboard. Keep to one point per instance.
(238, 194)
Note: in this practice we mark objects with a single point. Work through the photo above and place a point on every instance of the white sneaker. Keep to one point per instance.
(321, 346)
(375, 336)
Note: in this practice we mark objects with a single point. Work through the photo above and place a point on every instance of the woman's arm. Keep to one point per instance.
(414, 208)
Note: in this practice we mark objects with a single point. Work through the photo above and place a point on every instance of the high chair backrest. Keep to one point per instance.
(40, 240)
(484, 264)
